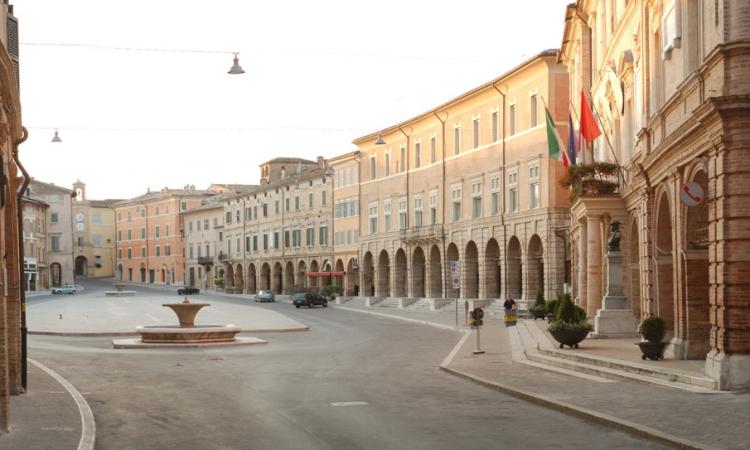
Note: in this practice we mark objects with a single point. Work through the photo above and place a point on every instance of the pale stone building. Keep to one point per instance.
(93, 234)
(59, 231)
(346, 222)
(469, 183)
(670, 82)
(35, 266)
(277, 237)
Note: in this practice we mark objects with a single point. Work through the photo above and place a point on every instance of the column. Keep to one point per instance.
(593, 265)
(581, 263)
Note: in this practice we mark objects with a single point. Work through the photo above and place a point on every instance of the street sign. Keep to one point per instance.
(456, 274)
(692, 194)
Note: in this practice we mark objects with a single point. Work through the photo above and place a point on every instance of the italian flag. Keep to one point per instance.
(556, 149)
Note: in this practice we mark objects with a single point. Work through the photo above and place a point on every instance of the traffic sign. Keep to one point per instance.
(692, 194)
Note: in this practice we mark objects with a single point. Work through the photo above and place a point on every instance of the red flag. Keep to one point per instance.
(589, 129)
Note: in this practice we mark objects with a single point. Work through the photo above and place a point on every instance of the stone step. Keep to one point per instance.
(543, 358)
(669, 375)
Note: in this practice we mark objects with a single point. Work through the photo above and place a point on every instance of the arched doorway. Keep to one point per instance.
(535, 268)
(239, 281)
(368, 276)
(492, 269)
(418, 279)
(314, 268)
(696, 275)
(514, 271)
(301, 277)
(634, 254)
(452, 255)
(338, 280)
(289, 278)
(55, 270)
(265, 277)
(326, 267)
(252, 287)
(436, 273)
(471, 270)
(143, 273)
(229, 279)
(399, 285)
(277, 278)
(664, 265)
(163, 274)
(82, 267)
(383, 287)
(352, 278)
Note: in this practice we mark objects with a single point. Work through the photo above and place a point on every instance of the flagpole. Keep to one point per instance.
(606, 137)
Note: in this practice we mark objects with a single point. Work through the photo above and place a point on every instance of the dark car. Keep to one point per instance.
(265, 296)
(309, 299)
(187, 290)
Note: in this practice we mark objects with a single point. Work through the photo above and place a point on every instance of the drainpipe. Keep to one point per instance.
(22, 287)
(502, 214)
(442, 206)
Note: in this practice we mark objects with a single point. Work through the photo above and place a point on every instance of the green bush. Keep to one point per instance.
(539, 302)
(551, 307)
(330, 290)
(557, 325)
(567, 312)
(652, 329)
(218, 281)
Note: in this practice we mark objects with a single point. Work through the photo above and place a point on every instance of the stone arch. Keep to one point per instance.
(82, 266)
(338, 280)
(534, 267)
(265, 277)
(514, 270)
(289, 278)
(368, 276)
(351, 280)
(492, 269)
(163, 274)
(301, 277)
(634, 268)
(277, 279)
(326, 267)
(664, 280)
(695, 258)
(451, 254)
(229, 278)
(418, 274)
(314, 280)
(239, 279)
(383, 286)
(436, 273)
(471, 270)
(400, 279)
(252, 287)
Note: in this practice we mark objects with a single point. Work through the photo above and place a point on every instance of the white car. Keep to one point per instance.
(65, 289)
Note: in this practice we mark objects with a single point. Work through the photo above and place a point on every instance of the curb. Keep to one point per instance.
(133, 333)
(584, 413)
(88, 425)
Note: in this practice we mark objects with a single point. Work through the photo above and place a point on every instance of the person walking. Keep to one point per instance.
(510, 311)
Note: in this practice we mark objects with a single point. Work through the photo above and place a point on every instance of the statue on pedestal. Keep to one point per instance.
(613, 244)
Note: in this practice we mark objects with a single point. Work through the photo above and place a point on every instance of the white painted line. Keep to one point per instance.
(88, 426)
(150, 316)
(357, 403)
(406, 319)
(448, 359)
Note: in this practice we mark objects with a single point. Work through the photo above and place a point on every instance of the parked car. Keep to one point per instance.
(309, 299)
(69, 289)
(265, 296)
(187, 290)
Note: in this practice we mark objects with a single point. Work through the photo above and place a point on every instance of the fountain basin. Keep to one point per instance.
(119, 293)
(186, 312)
(167, 334)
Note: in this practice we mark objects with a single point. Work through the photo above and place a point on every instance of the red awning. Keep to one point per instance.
(325, 274)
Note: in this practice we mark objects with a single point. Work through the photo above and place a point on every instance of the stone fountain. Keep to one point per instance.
(119, 292)
(187, 334)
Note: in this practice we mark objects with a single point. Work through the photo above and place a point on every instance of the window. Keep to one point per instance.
(512, 120)
(495, 130)
(417, 155)
(248, 245)
(287, 238)
(404, 162)
(190, 226)
(130, 234)
(324, 198)
(53, 218)
(237, 215)
(156, 231)
(476, 199)
(228, 218)
(156, 211)
(286, 204)
(129, 216)
(373, 215)
(297, 237)
(534, 194)
(418, 211)
(512, 192)
(387, 163)
(495, 195)
(130, 253)
(533, 114)
(205, 224)
(183, 206)
(310, 200)
(96, 240)
(310, 238)
(143, 232)
(255, 242)
(296, 202)
(387, 216)
(433, 150)
(264, 206)
(276, 206)
(119, 253)
(402, 218)
(457, 139)
(276, 239)
(265, 240)
(670, 25)
(456, 197)
(55, 243)
(143, 252)
(323, 234)
(119, 235)
(158, 251)
(373, 167)
(475, 126)
(433, 207)
(168, 250)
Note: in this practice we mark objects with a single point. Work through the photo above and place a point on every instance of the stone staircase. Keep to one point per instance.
(388, 302)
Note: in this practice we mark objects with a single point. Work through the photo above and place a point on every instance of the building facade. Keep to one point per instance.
(59, 231)
(94, 234)
(346, 220)
(669, 81)
(35, 267)
(468, 185)
(277, 237)
(149, 235)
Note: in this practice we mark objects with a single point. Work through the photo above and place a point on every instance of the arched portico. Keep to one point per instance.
(514, 271)
(277, 279)
(451, 255)
(400, 284)
(265, 277)
(289, 277)
(471, 271)
(418, 274)
(252, 287)
(436, 273)
(492, 270)
(535, 268)
(383, 286)
(368, 276)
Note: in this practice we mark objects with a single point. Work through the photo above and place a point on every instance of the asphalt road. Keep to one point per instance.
(353, 381)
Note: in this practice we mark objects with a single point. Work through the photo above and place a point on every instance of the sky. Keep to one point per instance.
(318, 74)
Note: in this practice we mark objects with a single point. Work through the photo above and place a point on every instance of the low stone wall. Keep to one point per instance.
(405, 302)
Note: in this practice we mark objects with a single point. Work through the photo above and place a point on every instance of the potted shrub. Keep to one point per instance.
(569, 326)
(330, 291)
(539, 309)
(551, 309)
(652, 330)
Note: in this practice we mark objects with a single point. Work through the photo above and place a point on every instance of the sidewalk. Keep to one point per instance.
(680, 418)
(48, 416)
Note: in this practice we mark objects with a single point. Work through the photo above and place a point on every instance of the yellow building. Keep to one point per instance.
(93, 234)
(346, 221)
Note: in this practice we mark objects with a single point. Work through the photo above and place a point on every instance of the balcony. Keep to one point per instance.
(598, 179)
(422, 235)
(223, 256)
(206, 260)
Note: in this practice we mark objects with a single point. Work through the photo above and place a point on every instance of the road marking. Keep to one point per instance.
(357, 403)
(152, 317)
(57, 429)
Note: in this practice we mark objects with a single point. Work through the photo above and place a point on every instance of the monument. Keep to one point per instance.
(119, 292)
(614, 319)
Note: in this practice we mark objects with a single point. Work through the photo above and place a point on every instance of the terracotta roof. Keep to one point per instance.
(165, 193)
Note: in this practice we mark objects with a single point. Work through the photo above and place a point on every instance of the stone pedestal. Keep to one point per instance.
(732, 372)
(615, 319)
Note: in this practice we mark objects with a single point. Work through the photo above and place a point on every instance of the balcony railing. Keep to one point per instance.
(593, 180)
(206, 260)
(424, 233)
(223, 256)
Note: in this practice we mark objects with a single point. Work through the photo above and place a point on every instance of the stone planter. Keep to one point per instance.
(538, 313)
(571, 338)
(652, 350)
